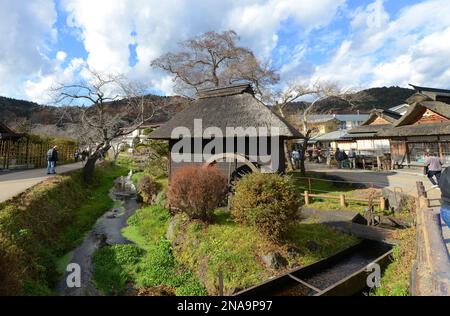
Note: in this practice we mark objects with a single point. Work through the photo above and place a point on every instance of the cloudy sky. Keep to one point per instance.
(357, 43)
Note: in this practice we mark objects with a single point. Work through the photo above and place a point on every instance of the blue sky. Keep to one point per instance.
(356, 43)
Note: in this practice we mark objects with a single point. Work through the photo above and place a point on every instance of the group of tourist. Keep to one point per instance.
(319, 155)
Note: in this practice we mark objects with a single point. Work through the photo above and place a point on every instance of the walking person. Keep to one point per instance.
(52, 158)
(339, 156)
(328, 154)
(295, 158)
(444, 184)
(352, 158)
(434, 169)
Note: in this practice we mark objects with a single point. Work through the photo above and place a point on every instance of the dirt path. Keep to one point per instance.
(107, 231)
(14, 183)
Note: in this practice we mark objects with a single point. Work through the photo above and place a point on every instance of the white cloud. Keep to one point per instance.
(26, 29)
(106, 27)
(412, 48)
(39, 89)
(380, 49)
(61, 56)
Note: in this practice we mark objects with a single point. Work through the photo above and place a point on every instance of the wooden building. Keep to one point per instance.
(425, 128)
(366, 138)
(220, 111)
(8, 134)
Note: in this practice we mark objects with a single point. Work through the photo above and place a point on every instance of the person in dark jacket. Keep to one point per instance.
(340, 158)
(52, 158)
(444, 184)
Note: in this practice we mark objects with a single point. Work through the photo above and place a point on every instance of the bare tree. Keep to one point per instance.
(318, 91)
(212, 60)
(112, 107)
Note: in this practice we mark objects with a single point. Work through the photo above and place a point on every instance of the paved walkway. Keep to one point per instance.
(404, 180)
(13, 183)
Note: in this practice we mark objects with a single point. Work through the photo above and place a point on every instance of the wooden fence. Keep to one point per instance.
(24, 153)
(343, 199)
(308, 195)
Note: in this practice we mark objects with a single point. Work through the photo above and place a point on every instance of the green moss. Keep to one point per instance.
(147, 226)
(114, 266)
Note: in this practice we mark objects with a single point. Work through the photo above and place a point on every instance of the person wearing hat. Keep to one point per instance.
(52, 158)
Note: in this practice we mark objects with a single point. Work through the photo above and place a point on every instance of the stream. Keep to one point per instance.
(106, 231)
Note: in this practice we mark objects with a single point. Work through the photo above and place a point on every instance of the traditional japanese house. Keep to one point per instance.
(425, 128)
(8, 134)
(228, 127)
(366, 138)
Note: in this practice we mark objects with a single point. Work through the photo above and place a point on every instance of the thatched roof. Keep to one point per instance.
(368, 129)
(417, 130)
(427, 89)
(417, 108)
(403, 126)
(234, 107)
(387, 115)
(7, 133)
(332, 136)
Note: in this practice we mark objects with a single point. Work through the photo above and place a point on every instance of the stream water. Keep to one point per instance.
(106, 231)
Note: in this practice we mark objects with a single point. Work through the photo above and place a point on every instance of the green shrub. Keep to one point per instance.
(267, 202)
(148, 188)
(197, 191)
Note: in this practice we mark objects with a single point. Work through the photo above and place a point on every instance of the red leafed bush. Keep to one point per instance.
(197, 191)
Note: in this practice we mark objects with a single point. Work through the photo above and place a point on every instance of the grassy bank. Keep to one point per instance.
(44, 223)
(154, 267)
(149, 266)
(319, 184)
(237, 250)
(396, 279)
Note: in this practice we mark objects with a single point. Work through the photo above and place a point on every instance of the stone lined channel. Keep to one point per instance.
(106, 231)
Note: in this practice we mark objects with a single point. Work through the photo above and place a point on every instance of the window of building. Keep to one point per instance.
(417, 151)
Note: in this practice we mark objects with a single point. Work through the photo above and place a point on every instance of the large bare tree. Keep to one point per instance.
(212, 60)
(110, 107)
(314, 94)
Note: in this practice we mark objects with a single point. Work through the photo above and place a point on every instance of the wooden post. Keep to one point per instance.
(378, 163)
(220, 282)
(309, 185)
(342, 199)
(421, 189)
(27, 154)
(382, 204)
(306, 198)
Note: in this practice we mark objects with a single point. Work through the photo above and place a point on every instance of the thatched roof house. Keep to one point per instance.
(7, 133)
(378, 120)
(424, 128)
(368, 142)
(222, 110)
(233, 106)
